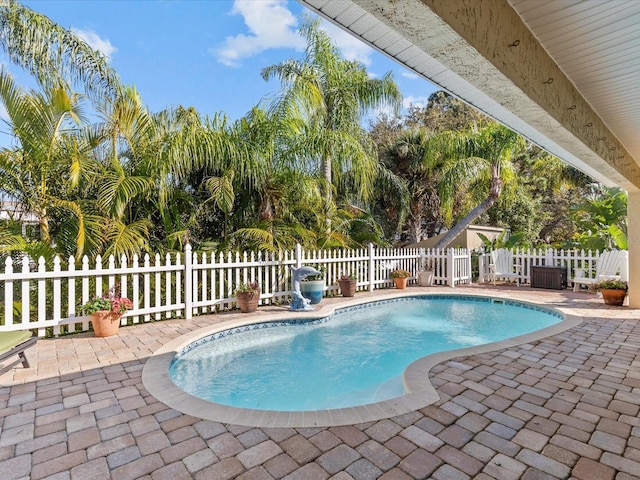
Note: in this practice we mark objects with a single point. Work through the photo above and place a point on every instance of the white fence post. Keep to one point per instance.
(26, 301)
(42, 296)
(8, 293)
(188, 282)
(298, 258)
(371, 268)
(450, 268)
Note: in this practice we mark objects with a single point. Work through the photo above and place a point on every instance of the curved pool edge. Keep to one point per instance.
(421, 393)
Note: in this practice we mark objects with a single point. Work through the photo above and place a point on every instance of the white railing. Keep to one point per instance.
(183, 285)
(569, 259)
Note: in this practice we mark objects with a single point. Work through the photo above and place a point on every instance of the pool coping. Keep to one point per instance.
(421, 393)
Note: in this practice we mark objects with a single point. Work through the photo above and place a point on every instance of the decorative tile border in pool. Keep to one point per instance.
(157, 381)
(247, 328)
(444, 296)
(353, 308)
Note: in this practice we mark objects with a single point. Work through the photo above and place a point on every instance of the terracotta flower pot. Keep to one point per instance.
(347, 287)
(613, 297)
(401, 282)
(105, 323)
(248, 301)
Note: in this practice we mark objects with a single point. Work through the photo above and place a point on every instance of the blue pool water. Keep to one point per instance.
(354, 357)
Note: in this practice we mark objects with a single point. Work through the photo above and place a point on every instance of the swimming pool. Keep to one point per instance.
(355, 356)
(157, 381)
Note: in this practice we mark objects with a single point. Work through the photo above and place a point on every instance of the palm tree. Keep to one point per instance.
(148, 163)
(51, 53)
(269, 202)
(405, 156)
(324, 99)
(41, 172)
(481, 158)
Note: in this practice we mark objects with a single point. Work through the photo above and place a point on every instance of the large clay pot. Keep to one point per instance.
(248, 301)
(613, 297)
(312, 290)
(347, 287)
(105, 323)
(401, 282)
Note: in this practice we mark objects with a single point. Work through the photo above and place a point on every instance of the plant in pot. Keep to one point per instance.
(613, 291)
(248, 295)
(348, 284)
(400, 277)
(106, 311)
(312, 287)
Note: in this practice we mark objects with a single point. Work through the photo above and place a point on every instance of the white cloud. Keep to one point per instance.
(271, 25)
(417, 101)
(408, 74)
(103, 45)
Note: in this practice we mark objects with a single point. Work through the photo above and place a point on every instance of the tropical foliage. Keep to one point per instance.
(323, 100)
(101, 174)
(461, 167)
(601, 219)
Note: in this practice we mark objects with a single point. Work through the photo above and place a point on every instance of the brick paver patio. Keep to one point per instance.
(563, 407)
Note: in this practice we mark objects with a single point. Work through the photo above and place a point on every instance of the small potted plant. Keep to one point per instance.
(400, 277)
(106, 311)
(348, 285)
(613, 291)
(312, 287)
(248, 295)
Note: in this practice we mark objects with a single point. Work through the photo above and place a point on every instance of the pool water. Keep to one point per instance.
(354, 357)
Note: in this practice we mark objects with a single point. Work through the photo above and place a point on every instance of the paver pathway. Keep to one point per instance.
(563, 407)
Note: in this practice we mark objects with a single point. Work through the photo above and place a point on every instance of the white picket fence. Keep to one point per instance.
(183, 285)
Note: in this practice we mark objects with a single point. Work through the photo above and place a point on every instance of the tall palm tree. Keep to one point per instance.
(480, 156)
(405, 156)
(325, 98)
(51, 53)
(47, 164)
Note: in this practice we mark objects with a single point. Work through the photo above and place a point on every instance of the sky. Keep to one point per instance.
(207, 54)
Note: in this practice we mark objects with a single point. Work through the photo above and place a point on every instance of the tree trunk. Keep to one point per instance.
(414, 230)
(44, 227)
(494, 192)
(266, 208)
(546, 231)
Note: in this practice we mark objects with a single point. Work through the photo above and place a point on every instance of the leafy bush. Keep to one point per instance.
(252, 287)
(347, 276)
(400, 274)
(110, 300)
(612, 285)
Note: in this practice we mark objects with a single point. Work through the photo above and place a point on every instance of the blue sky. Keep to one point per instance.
(207, 54)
